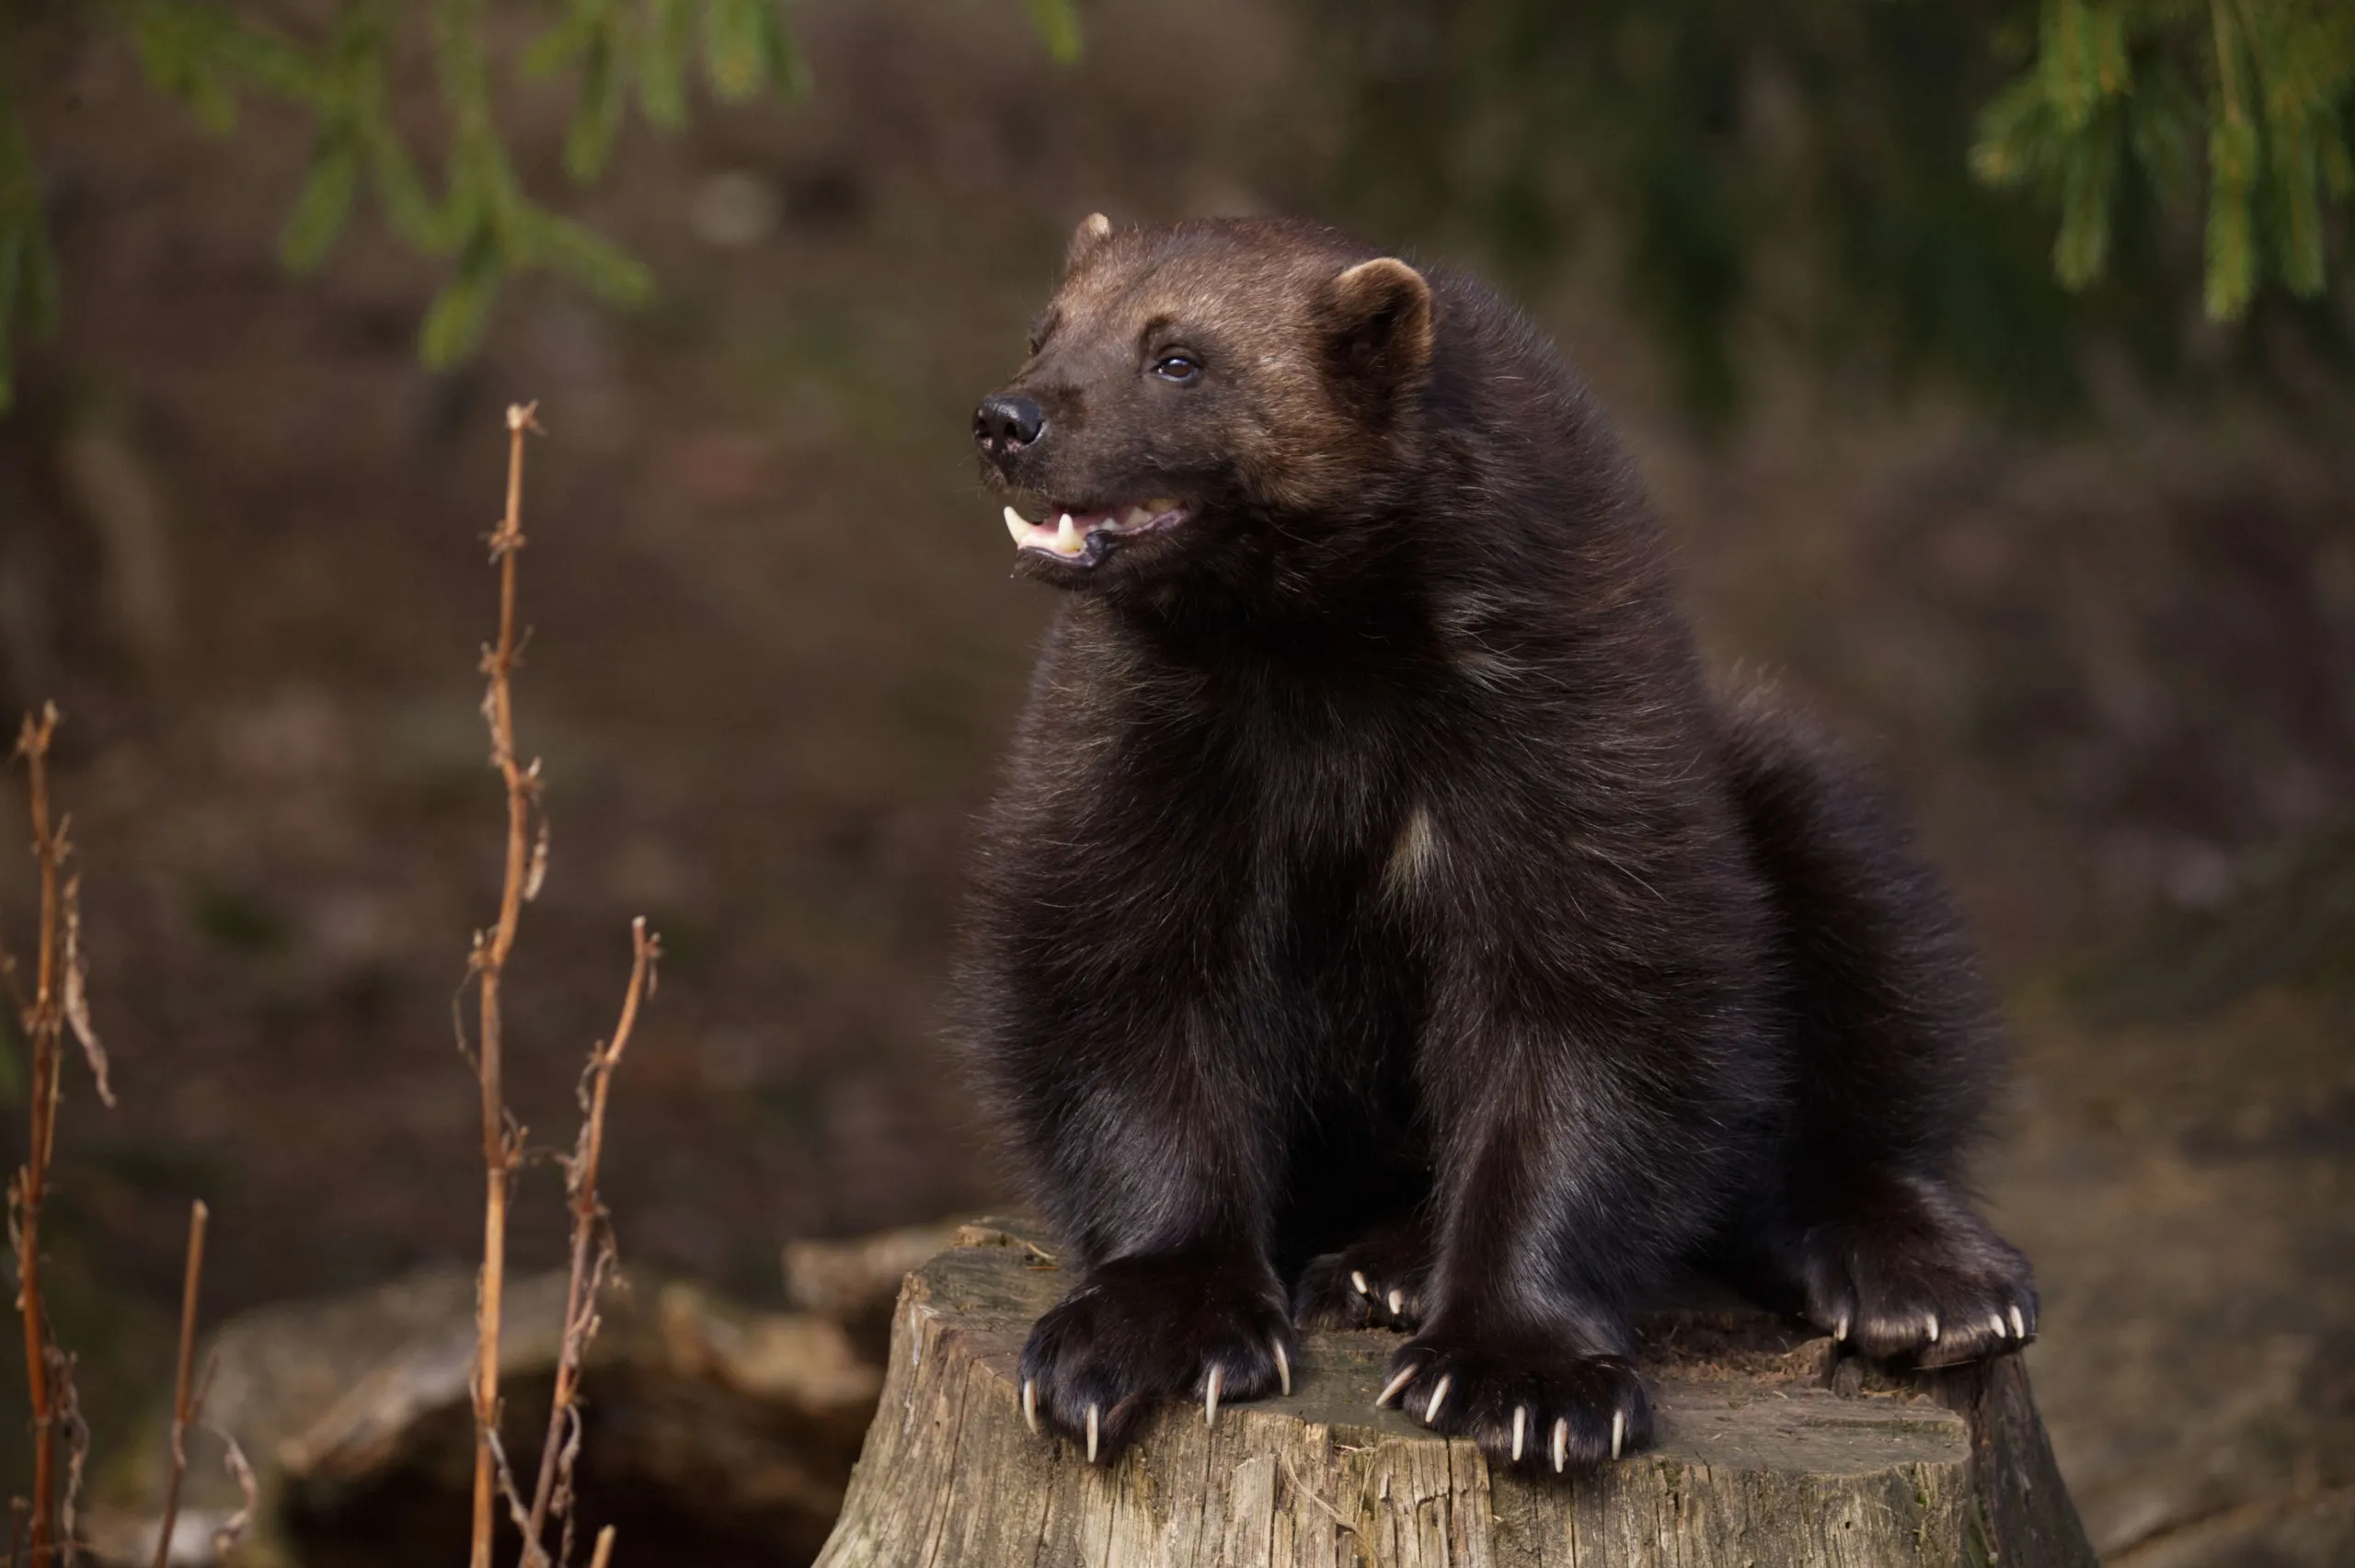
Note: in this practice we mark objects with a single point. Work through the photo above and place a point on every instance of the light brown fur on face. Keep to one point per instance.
(1304, 343)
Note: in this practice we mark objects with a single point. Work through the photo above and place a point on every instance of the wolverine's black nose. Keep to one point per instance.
(1007, 422)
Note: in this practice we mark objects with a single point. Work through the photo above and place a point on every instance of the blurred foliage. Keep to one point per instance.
(2270, 82)
(28, 293)
(343, 71)
(1881, 176)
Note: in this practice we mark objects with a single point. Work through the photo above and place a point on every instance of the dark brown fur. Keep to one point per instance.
(1377, 891)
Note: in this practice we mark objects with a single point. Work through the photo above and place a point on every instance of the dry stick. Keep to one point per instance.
(42, 1023)
(488, 962)
(589, 1258)
(184, 1408)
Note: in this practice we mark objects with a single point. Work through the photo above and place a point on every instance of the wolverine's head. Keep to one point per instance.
(1197, 396)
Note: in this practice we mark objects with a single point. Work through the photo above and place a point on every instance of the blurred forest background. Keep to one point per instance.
(1988, 363)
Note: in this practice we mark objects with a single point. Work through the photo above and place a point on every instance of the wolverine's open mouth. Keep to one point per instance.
(1081, 537)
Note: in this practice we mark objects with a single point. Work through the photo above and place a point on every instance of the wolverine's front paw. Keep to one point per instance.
(1526, 1402)
(1914, 1276)
(1377, 1283)
(1209, 1327)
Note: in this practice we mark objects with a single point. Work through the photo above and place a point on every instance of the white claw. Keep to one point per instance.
(1358, 1283)
(1840, 1329)
(1934, 1328)
(1438, 1397)
(1391, 1392)
(1210, 1396)
(1017, 525)
(1519, 1429)
(1561, 1445)
(1618, 1431)
(1067, 540)
(1996, 1322)
(1030, 1404)
(2019, 1325)
(1094, 1418)
(1284, 1365)
(1397, 1302)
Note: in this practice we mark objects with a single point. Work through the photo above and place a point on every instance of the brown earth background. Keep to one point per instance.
(776, 650)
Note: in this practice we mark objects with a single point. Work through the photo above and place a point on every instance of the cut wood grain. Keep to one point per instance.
(1774, 1452)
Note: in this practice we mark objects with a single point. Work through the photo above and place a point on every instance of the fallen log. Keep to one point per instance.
(1774, 1451)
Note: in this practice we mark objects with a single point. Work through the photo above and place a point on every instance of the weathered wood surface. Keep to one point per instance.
(1773, 1451)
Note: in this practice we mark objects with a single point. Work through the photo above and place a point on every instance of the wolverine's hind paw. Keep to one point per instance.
(1378, 1283)
(1918, 1277)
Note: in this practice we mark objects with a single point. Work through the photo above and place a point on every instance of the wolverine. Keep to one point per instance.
(1383, 921)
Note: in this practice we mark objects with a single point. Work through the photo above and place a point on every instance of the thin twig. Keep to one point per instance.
(184, 1407)
(59, 1001)
(488, 962)
(233, 1460)
(603, 1553)
(592, 1250)
(41, 1025)
(77, 1452)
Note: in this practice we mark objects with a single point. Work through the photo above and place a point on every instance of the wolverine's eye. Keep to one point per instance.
(1180, 367)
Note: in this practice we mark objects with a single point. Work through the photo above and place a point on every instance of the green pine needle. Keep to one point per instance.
(1057, 22)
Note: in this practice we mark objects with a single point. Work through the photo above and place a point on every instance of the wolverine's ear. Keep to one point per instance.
(1381, 311)
(1093, 231)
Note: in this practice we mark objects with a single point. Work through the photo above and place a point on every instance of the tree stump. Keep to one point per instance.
(1773, 1450)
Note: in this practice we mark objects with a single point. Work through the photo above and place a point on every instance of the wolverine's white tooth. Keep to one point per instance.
(1519, 1429)
(1017, 525)
(1284, 1365)
(1067, 538)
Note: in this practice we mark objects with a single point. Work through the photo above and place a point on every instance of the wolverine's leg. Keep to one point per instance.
(1524, 1346)
(1160, 1182)
(1893, 1061)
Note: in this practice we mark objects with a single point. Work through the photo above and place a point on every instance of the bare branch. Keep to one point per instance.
(592, 1252)
(232, 1529)
(488, 963)
(186, 1402)
(43, 1026)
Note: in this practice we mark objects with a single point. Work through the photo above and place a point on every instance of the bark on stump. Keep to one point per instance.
(1773, 1451)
